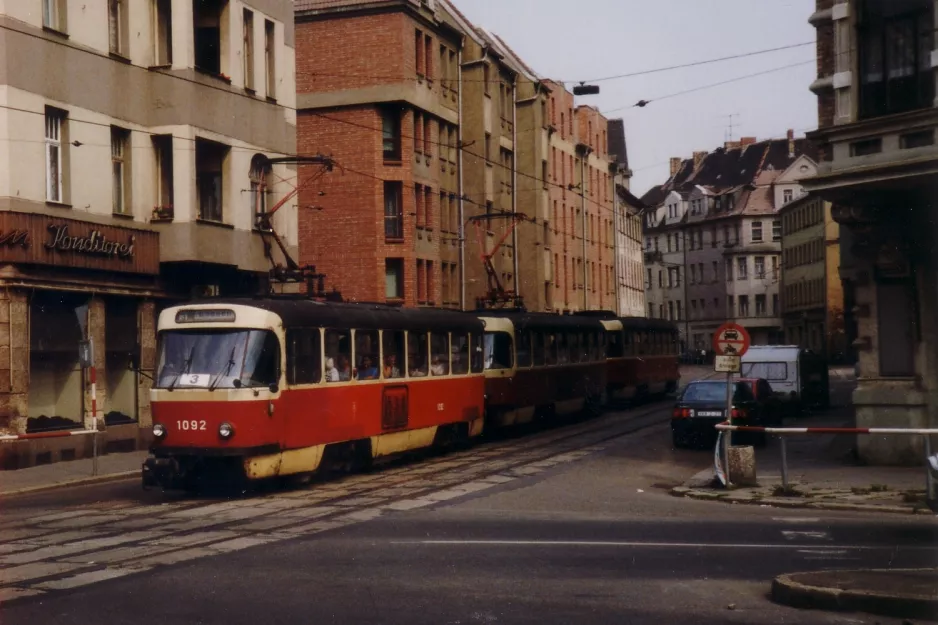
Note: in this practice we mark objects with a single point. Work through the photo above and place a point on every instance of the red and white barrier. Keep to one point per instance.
(8, 438)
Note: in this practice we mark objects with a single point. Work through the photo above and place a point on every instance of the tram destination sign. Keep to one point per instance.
(32, 238)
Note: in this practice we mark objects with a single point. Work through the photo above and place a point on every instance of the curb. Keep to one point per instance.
(786, 590)
(85, 481)
(782, 502)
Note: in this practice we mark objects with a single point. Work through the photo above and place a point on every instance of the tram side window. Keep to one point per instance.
(262, 360)
(498, 350)
(417, 349)
(614, 345)
(439, 350)
(628, 344)
(338, 355)
(552, 349)
(393, 346)
(524, 349)
(538, 349)
(591, 346)
(640, 346)
(304, 356)
(563, 353)
(367, 354)
(477, 353)
(573, 346)
(460, 350)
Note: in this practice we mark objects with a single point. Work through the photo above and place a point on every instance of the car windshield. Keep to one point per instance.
(766, 370)
(715, 392)
(217, 359)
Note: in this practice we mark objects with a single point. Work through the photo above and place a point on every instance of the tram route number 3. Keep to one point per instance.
(191, 424)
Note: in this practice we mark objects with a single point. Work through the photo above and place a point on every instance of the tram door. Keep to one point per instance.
(395, 398)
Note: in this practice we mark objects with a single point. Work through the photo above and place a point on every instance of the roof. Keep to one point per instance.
(724, 169)
(633, 323)
(615, 133)
(545, 321)
(629, 198)
(326, 5)
(312, 313)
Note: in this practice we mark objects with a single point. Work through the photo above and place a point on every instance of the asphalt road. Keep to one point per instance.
(571, 525)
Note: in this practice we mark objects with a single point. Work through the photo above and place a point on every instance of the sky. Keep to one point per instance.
(589, 39)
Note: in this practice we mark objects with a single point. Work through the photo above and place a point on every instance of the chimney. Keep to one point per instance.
(747, 140)
(675, 165)
(791, 143)
(731, 145)
(698, 159)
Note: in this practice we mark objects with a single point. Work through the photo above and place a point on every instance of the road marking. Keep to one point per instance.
(823, 552)
(615, 543)
(796, 519)
(795, 535)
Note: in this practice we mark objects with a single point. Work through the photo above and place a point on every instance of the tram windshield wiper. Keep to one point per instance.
(223, 372)
(187, 363)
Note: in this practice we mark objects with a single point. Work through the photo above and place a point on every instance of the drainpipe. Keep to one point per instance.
(514, 181)
(462, 216)
(615, 241)
(586, 272)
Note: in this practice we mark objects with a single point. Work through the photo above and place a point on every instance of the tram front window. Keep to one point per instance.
(217, 359)
(498, 350)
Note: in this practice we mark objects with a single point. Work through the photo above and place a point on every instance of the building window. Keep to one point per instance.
(680, 310)
(163, 32)
(742, 268)
(207, 19)
(393, 211)
(728, 264)
(209, 163)
(693, 274)
(651, 306)
(786, 196)
(895, 43)
(743, 305)
(421, 281)
(760, 266)
(427, 137)
(671, 311)
(163, 149)
(418, 53)
(117, 27)
(757, 232)
(260, 176)
(776, 230)
(391, 134)
(394, 278)
(270, 58)
(53, 14)
(120, 171)
(775, 304)
(247, 52)
(56, 122)
(428, 207)
(760, 305)
(418, 132)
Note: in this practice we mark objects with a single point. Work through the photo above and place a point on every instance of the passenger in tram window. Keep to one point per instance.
(332, 374)
(417, 354)
(393, 346)
(538, 349)
(477, 354)
(368, 369)
(460, 353)
(366, 354)
(338, 345)
(439, 350)
(345, 368)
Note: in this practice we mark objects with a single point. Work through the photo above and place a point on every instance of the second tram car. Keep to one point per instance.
(539, 365)
(273, 387)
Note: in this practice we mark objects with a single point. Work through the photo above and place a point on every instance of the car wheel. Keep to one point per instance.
(677, 440)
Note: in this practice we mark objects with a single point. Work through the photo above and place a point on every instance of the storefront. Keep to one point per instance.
(62, 282)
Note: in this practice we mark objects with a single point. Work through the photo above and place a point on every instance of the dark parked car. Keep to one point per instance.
(702, 405)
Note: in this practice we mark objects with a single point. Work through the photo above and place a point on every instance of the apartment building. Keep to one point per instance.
(877, 119)
(627, 226)
(136, 154)
(812, 294)
(717, 217)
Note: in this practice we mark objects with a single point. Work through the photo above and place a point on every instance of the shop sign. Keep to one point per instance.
(74, 243)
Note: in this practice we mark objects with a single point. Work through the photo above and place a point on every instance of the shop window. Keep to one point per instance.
(393, 351)
(338, 349)
(367, 355)
(417, 353)
(121, 350)
(207, 21)
(209, 163)
(439, 350)
(460, 353)
(304, 356)
(55, 375)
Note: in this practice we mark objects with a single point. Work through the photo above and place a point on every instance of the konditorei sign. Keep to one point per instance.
(48, 240)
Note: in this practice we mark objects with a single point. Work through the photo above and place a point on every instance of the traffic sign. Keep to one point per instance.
(726, 364)
(730, 339)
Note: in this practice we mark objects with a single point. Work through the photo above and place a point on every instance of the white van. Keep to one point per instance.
(796, 374)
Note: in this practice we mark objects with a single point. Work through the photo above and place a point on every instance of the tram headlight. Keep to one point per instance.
(158, 430)
(225, 430)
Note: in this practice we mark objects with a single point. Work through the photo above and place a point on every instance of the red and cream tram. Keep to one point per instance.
(259, 388)
(641, 357)
(541, 365)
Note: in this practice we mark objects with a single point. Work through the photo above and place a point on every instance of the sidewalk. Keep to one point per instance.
(114, 466)
(897, 593)
(822, 474)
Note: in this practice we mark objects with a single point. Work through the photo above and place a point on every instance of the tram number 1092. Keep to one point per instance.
(191, 424)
